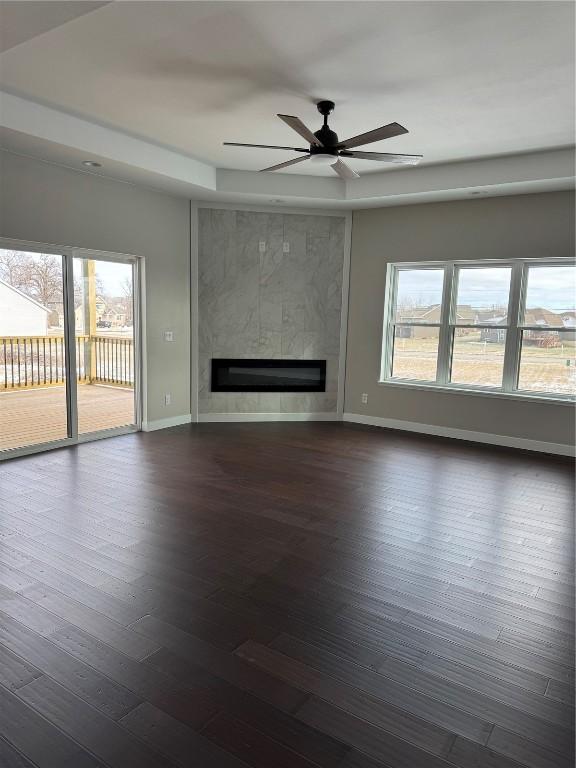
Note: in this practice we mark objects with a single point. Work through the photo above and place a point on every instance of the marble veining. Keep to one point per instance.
(271, 304)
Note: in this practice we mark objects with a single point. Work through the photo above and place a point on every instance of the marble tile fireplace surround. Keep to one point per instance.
(270, 287)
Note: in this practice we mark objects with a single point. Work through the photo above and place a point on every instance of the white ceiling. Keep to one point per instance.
(22, 21)
(470, 80)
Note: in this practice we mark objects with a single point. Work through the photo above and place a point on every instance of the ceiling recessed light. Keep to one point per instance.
(91, 164)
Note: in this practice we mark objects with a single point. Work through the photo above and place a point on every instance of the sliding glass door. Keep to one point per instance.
(105, 363)
(33, 349)
(69, 347)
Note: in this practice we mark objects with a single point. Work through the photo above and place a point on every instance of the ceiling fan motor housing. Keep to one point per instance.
(328, 138)
(329, 141)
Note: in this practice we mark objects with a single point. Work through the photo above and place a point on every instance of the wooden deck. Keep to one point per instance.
(33, 416)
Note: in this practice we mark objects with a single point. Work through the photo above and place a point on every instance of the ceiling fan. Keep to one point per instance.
(325, 149)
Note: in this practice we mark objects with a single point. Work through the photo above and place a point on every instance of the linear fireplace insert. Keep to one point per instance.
(268, 375)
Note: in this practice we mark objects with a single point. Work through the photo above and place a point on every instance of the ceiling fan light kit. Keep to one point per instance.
(321, 158)
(325, 149)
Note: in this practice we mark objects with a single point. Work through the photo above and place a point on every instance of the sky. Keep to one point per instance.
(111, 276)
(551, 287)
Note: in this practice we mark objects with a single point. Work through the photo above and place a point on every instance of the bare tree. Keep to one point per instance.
(127, 289)
(45, 280)
(10, 267)
(37, 275)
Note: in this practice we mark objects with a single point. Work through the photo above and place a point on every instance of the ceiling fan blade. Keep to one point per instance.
(286, 164)
(384, 157)
(344, 171)
(263, 146)
(385, 132)
(297, 125)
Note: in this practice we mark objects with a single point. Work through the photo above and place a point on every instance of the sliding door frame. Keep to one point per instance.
(68, 254)
(136, 263)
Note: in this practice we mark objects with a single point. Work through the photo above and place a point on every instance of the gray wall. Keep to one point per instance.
(270, 304)
(50, 204)
(288, 305)
(502, 227)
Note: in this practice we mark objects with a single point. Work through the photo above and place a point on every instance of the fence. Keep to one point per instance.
(39, 361)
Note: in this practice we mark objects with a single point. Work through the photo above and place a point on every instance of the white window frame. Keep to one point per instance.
(446, 325)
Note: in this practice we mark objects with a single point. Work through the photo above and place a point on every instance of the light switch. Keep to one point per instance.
(168, 335)
(285, 247)
(262, 246)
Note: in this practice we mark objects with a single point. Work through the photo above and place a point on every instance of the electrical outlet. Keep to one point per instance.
(364, 398)
(262, 246)
(168, 335)
(167, 398)
(285, 247)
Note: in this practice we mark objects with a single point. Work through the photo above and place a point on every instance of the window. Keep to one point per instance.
(548, 331)
(492, 326)
(417, 323)
(480, 325)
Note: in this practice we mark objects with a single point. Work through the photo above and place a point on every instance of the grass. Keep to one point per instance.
(478, 363)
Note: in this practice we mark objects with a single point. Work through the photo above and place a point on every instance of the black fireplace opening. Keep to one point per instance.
(268, 375)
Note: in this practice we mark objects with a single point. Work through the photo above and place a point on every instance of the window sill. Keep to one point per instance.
(477, 391)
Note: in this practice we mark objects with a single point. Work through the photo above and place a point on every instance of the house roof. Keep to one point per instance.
(463, 312)
(416, 312)
(541, 316)
(25, 295)
(538, 316)
(533, 316)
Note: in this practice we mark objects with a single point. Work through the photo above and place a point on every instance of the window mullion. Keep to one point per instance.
(513, 333)
(445, 335)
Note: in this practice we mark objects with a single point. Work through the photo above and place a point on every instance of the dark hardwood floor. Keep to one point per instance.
(286, 596)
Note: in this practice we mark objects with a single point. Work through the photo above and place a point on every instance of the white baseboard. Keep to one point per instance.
(237, 417)
(171, 421)
(486, 438)
(463, 434)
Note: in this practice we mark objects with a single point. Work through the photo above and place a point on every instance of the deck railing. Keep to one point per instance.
(39, 361)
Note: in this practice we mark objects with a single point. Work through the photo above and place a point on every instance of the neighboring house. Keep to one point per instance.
(116, 319)
(100, 307)
(491, 315)
(569, 320)
(21, 315)
(543, 317)
(536, 316)
(418, 315)
(79, 314)
(118, 312)
(112, 311)
(547, 337)
(464, 314)
(494, 335)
